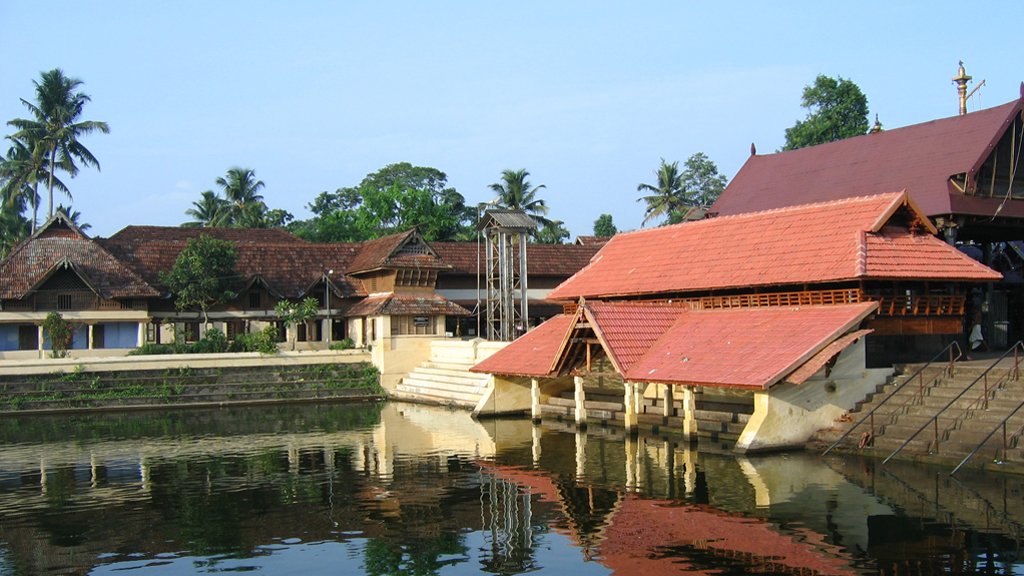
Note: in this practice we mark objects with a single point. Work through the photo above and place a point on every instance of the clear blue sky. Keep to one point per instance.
(587, 96)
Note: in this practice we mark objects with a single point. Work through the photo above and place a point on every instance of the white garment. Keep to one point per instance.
(976, 338)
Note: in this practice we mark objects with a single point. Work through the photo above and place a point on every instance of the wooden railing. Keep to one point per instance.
(44, 301)
(887, 305)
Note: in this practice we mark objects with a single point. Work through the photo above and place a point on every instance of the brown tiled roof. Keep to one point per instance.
(183, 233)
(834, 241)
(288, 268)
(541, 259)
(406, 305)
(919, 158)
(32, 261)
(592, 240)
(381, 253)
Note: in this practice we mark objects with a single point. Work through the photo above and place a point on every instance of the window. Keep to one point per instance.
(191, 331)
(127, 304)
(98, 336)
(63, 301)
(409, 325)
(28, 337)
(255, 300)
(153, 332)
(234, 328)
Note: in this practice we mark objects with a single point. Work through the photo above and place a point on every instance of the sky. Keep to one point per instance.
(586, 96)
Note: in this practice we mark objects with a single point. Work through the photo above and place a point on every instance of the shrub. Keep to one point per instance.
(213, 341)
(264, 341)
(150, 348)
(58, 330)
(346, 344)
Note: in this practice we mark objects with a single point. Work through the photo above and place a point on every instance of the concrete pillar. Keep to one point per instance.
(535, 400)
(140, 334)
(581, 398)
(39, 339)
(689, 407)
(629, 416)
(669, 406)
(88, 337)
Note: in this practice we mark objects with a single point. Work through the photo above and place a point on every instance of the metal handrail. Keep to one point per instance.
(934, 419)
(919, 372)
(987, 438)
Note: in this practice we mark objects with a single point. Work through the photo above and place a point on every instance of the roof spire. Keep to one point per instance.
(877, 127)
(961, 80)
(753, 149)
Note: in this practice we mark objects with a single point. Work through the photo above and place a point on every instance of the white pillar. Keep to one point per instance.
(581, 398)
(88, 337)
(39, 330)
(581, 454)
(535, 400)
(536, 445)
(629, 417)
(689, 413)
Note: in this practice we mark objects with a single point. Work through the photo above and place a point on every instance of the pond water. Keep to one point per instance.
(404, 489)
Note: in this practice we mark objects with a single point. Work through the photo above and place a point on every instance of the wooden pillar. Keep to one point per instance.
(629, 417)
(581, 398)
(535, 400)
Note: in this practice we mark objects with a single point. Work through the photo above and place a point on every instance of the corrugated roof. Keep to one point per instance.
(832, 241)
(919, 158)
(503, 218)
(746, 348)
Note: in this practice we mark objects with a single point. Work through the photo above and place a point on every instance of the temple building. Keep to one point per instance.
(754, 327)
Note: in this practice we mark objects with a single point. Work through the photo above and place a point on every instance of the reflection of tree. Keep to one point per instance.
(420, 557)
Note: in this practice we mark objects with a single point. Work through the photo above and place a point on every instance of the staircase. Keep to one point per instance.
(445, 378)
(960, 428)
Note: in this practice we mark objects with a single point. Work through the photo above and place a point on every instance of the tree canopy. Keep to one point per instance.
(603, 226)
(54, 131)
(241, 206)
(203, 274)
(698, 185)
(396, 198)
(837, 109)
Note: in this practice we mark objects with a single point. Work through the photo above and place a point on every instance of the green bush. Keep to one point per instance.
(151, 348)
(264, 341)
(346, 344)
(213, 342)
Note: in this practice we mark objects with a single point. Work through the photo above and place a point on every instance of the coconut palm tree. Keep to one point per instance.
(56, 126)
(241, 194)
(21, 171)
(74, 216)
(668, 196)
(211, 211)
(515, 193)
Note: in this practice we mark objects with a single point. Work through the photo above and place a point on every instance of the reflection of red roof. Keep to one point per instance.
(830, 242)
(742, 347)
(918, 158)
(642, 528)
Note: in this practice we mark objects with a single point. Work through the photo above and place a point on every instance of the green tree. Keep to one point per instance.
(553, 233)
(837, 110)
(702, 181)
(393, 199)
(667, 196)
(57, 127)
(203, 274)
(241, 194)
(301, 313)
(516, 193)
(59, 332)
(21, 171)
(603, 226)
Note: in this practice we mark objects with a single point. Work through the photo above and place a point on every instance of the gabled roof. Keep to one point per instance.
(541, 259)
(400, 304)
(919, 158)
(592, 240)
(505, 218)
(387, 252)
(59, 244)
(743, 347)
(842, 240)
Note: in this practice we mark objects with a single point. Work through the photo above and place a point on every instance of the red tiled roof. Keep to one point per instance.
(748, 347)
(405, 305)
(31, 261)
(532, 354)
(801, 374)
(918, 158)
(815, 243)
(541, 259)
(592, 240)
(182, 233)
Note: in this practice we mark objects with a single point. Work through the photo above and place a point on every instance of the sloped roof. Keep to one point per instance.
(919, 158)
(400, 304)
(592, 240)
(59, 244)
(745, 348)
(848, 239)
(386, 252)
(183, 233)
(541, 259)
(287, 268)
(504, 218)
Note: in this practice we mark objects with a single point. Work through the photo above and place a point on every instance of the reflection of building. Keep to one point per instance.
(757, 321)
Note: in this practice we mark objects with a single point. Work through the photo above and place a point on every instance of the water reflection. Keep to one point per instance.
(402, 489)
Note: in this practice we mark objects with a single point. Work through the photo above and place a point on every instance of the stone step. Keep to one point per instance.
(412, 387)
(427, 398)
(449, 378)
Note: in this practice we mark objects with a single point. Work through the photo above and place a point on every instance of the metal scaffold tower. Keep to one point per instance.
(505, 232)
